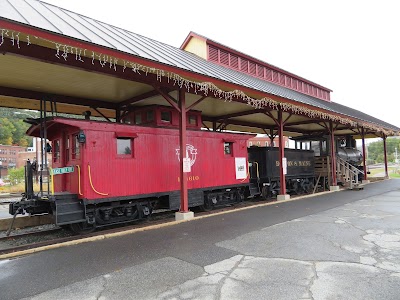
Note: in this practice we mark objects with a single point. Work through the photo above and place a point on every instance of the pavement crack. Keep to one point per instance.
(352, 225)
(222, 282)
(315, 277)
(103, 287)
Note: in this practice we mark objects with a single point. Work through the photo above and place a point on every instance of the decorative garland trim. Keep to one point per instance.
(65, 52)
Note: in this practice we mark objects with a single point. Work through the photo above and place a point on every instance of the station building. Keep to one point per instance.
(9, 157)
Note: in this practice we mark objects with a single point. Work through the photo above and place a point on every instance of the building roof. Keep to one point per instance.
(63, 22)
(194, 34)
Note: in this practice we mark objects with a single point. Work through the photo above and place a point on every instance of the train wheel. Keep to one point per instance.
(265, 192)
(209, 203)
(82, 228)
(296, 187)
(274, 188)
(310, 187)
(239, 196)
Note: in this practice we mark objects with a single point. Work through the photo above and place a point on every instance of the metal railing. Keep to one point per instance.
(348, 172)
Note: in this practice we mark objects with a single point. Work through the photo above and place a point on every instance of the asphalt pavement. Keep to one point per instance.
(342, 245)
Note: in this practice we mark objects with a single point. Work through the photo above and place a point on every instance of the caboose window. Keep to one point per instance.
(75, 147)
(166, 116)
(124, 146)
(56, 151)
(228, 148)
(138, 118)
(150, 115)
(192, 120)
(67, 148)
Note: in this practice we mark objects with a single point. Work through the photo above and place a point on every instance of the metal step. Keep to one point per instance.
(254, 189)
(69, 209)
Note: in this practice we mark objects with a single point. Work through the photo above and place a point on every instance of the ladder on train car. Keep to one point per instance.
(41, 167)
(349, 174)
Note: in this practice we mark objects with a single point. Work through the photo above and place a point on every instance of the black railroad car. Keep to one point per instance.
(264, 170)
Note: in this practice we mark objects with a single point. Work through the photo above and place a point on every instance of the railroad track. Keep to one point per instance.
(28, 234)
(27, 240)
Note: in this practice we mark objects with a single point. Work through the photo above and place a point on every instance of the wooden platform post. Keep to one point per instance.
(334, 185)
(184, 213)
(364, 156)
(282, 159)
(182, 154)
(385, 156)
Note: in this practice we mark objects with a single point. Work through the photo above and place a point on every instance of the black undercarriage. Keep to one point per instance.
(82, 215)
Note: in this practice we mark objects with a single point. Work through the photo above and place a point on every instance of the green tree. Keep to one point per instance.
(7, 130)
(19, 137)
(375, 150)
(16, 175)
(13, 128)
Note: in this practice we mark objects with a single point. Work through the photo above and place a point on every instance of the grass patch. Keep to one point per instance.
(18, 188)
(373, 172)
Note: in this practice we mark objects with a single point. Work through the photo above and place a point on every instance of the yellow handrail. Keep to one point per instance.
(79, 180)
(91, 184)
(247, 173)
(52, 180)
(258, 172)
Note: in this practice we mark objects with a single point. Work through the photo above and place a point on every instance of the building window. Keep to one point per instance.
(258, 143)
(125, 147)
(166, 116)
(56, 150)
(266, 144)
(76, 150)
(250, 144)
(228, 148)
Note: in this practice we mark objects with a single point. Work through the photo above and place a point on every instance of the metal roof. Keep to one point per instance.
(194, 34)
(64, 22)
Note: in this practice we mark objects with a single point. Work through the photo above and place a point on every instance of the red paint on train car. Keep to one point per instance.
(102, 170)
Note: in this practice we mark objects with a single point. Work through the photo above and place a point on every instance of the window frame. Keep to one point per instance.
(57, 153)
(125, 136)
(190, 118)
(67, 148)
(75, 155)
(170, 116)
(228, 145)
(125, 155)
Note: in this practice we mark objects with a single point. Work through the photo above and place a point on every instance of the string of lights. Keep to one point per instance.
(66, 52)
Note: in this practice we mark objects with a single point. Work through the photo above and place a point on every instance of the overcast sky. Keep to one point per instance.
(351, 47)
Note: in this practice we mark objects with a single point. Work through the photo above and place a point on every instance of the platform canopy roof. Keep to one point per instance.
(83, 64)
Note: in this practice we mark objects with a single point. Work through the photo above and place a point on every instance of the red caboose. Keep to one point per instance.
(111, 172)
